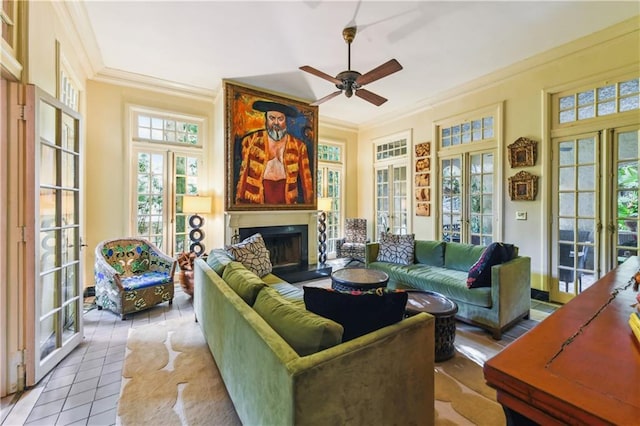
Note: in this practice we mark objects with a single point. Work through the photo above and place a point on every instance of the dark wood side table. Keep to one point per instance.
(444, 310)
(351, 279)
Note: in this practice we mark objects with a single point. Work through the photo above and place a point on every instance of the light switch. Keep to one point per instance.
(521, 215)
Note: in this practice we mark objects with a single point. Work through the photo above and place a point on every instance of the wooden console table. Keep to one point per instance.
(581, 365)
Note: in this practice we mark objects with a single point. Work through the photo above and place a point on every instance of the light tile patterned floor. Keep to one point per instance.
(84, 388)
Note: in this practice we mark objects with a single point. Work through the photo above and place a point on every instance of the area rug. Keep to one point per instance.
(170, 378)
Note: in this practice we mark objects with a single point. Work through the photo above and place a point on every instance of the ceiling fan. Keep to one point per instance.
(351, 81)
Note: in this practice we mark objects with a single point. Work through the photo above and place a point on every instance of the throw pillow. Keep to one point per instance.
(493, 254)
(244, 282)
(218, 259)
(304, 331)
(358, 312)
(396, 248)
(252, 253)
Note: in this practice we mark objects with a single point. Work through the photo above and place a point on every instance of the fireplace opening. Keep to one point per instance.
(288, 245)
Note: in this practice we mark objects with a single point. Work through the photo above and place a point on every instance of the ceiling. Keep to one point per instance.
(440, 45)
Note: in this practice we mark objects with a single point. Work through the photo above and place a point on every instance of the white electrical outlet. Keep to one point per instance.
(521, 215)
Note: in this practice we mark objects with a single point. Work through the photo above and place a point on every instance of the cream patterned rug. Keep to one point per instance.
(170, 378)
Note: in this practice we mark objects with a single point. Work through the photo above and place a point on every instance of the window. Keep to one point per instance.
(166, 150)
(392, 183)
(599, 101)
(468, 198)
(330, 185)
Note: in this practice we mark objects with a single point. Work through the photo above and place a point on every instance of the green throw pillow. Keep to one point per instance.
(304, 331)
(244, 282)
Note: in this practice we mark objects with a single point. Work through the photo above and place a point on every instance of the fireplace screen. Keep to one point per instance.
(288, 245)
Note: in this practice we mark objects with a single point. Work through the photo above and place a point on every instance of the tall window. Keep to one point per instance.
(330, 185)
(166, 150)
(467, 178)
(392, 183)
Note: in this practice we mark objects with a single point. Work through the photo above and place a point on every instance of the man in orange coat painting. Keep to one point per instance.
(273, 161)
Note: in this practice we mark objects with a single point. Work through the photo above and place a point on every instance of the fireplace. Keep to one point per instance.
(288, 245)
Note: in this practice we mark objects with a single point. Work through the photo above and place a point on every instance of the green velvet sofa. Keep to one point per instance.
(443, 267)
(383, 377)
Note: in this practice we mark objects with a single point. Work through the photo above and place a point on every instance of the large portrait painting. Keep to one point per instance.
(271, 151)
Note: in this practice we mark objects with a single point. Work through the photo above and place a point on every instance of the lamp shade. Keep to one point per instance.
(324, 204)
(196, 204)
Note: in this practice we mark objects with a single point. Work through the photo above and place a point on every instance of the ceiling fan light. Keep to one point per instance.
(348, 92)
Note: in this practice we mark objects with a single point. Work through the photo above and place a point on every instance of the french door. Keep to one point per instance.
(330, 186)
(596, 207)
(162, 178)
(52, 233)
(392, 202)
(467, 188)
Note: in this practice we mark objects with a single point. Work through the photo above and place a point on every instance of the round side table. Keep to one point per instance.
(350, 279)
(444, 310)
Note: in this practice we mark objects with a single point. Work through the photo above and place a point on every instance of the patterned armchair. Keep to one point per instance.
(132, 274)
(355, 240)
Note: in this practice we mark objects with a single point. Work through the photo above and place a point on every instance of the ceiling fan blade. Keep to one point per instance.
(320, 74)
(377, 100)
(383, 70)
(326, 98)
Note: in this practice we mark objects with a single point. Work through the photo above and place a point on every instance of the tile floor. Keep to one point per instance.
(84, 388)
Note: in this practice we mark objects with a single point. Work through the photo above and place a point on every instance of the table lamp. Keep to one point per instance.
(324, 206)
(196, 204)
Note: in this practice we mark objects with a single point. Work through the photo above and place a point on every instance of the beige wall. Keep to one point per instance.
(521, 90)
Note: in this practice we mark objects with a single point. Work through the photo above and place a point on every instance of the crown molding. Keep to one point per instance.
(74, 18)
(144, 82)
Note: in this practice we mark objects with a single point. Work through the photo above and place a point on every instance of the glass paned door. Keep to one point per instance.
(627, 163)
(162, 179)
(392, 203)
(451, 190)
(481, 199)
(57, 266)
(576, 210)
(330, 178)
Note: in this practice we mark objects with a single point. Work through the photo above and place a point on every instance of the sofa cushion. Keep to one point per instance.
(460, 256)
(304, 331)
(396, 248)
(218, 260)
(252, 253)
(430, 252)
(244, 282)
(358, 312)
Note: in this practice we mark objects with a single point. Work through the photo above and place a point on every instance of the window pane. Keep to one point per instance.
(630, 103)
(607, 92)
(606, 108)
(585, 98)
(568, 116)
(629, 87)
(586, 112)
(567, 102)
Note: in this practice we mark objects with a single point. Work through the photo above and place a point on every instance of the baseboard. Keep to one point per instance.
(540, 295)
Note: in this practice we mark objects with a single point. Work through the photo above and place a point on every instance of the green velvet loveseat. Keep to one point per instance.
(383, 377)
(443, 267)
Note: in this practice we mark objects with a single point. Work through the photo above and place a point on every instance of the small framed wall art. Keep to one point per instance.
(423, 179)
(523, 186)
(523, 152)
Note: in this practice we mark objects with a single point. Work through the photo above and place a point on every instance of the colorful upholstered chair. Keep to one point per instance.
(132, 274)
(355, 240)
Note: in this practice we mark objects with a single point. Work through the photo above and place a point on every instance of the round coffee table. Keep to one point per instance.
(444, 310)
(350, 279)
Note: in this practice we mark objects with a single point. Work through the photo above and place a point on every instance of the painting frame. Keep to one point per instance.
(523, 152)
(246, 109)
(523, 186)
